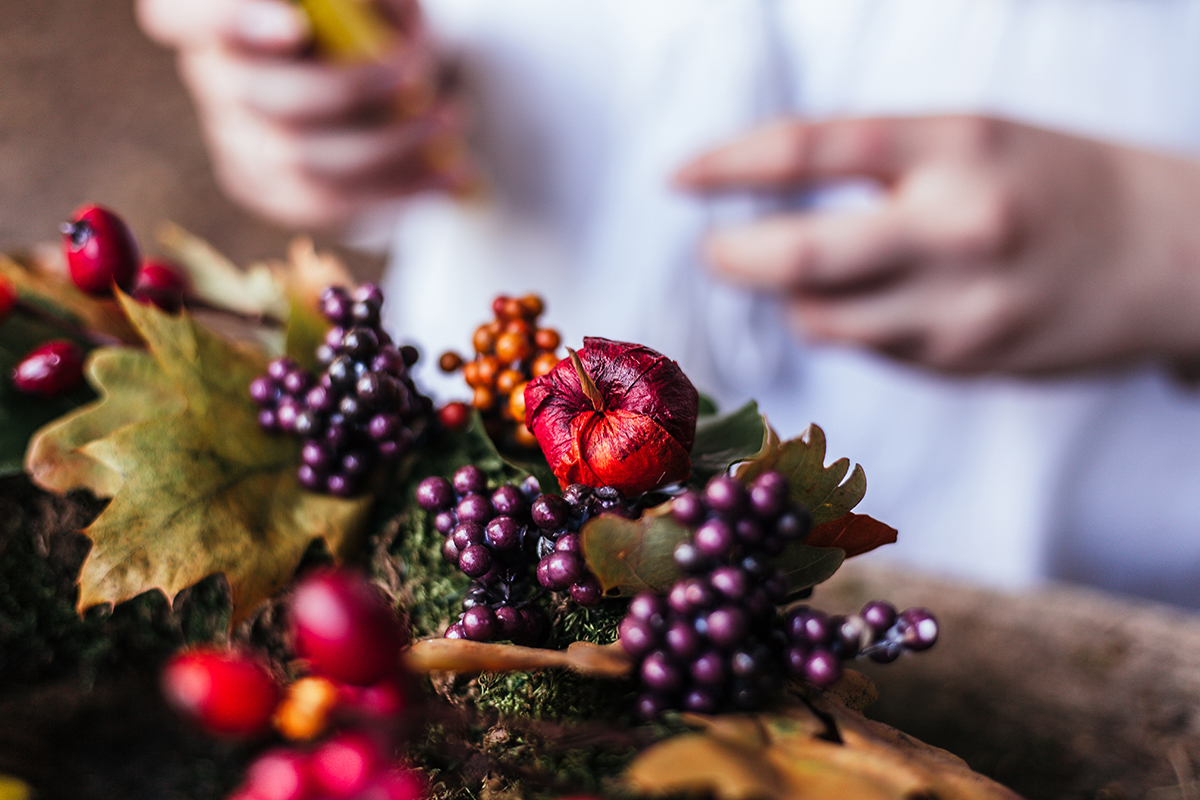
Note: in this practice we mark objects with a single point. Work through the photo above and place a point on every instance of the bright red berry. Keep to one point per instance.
(227, 692)
(455, 416)
(344, 764)
(8, 297)
(101, 251)
(278, 774)
(385, 700)
(51, 370)
(345, 627)
(162, 283)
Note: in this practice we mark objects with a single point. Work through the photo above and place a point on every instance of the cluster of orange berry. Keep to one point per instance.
(510, 351)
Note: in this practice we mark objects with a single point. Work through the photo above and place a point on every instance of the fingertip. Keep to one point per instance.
(269, 26)
(691, 176)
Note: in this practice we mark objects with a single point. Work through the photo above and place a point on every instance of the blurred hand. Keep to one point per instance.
(997, 247)
(305, 142)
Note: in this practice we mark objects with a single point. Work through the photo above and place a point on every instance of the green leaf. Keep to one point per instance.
(724, 440)
(133, 389)
(629, 556)
(203, 490)
(707, 407)
(818, 488)
(807, 566)
(21, 415)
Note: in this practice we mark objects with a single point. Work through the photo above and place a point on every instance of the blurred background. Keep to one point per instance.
(1063, 693)
(93, 112)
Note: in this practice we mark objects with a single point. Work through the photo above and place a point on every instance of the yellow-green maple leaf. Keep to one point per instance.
(203, 489)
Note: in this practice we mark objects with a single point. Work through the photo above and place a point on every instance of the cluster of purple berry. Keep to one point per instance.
(489, 537)
(363, 407)
(559, 518)
(818, 643)
(505, 538)
(713, 643)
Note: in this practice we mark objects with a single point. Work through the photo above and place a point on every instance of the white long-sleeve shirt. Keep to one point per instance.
(586, 107)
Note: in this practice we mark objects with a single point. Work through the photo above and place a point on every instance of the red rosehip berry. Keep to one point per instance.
(162, 284)
(455, 416)
(278, 774)
(227, 692)
(344, 764)
(345, 628)
(51, 370)
(101, 251)
(8, 297)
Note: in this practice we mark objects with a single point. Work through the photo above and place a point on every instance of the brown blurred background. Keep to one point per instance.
(93, 112)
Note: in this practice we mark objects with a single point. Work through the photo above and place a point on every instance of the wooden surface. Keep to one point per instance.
(1062, 692)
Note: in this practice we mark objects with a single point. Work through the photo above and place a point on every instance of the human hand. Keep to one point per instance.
(996, 247)
(307, 142)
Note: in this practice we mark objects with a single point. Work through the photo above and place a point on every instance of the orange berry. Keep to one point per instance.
(484, 398)
(516, 402)
(524, 436)
(304, 712)
(543, 364)
(489, 367)
(470, 373)
(547, 338)
(532, 306)
(498, 305)
(511, 309)
(507, 380)
(483, 339)
(449, 361)
(519, 326)
(512, 347)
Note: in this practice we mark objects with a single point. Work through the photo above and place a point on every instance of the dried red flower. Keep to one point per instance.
(614, 414)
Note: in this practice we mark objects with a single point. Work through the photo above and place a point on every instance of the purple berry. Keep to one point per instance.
(435, 493)
(709, 669)
(503, 533)
(689, 509)
(660, 674)
(726, 496)
(469, 480)
(714, 538)
(880, 615)
(563, 569)
(822, 668)
(768, 495)
(727, 626)
(509, 501)
(648, 607)
(586, 591)
(475, 560)
(550, 511)
(637, 636)
(479, 623)
(475, 508)
(918, 629)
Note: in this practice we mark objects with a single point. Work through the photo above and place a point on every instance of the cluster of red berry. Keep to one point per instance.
(510, 351)
(101, 254)
(350, 715)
